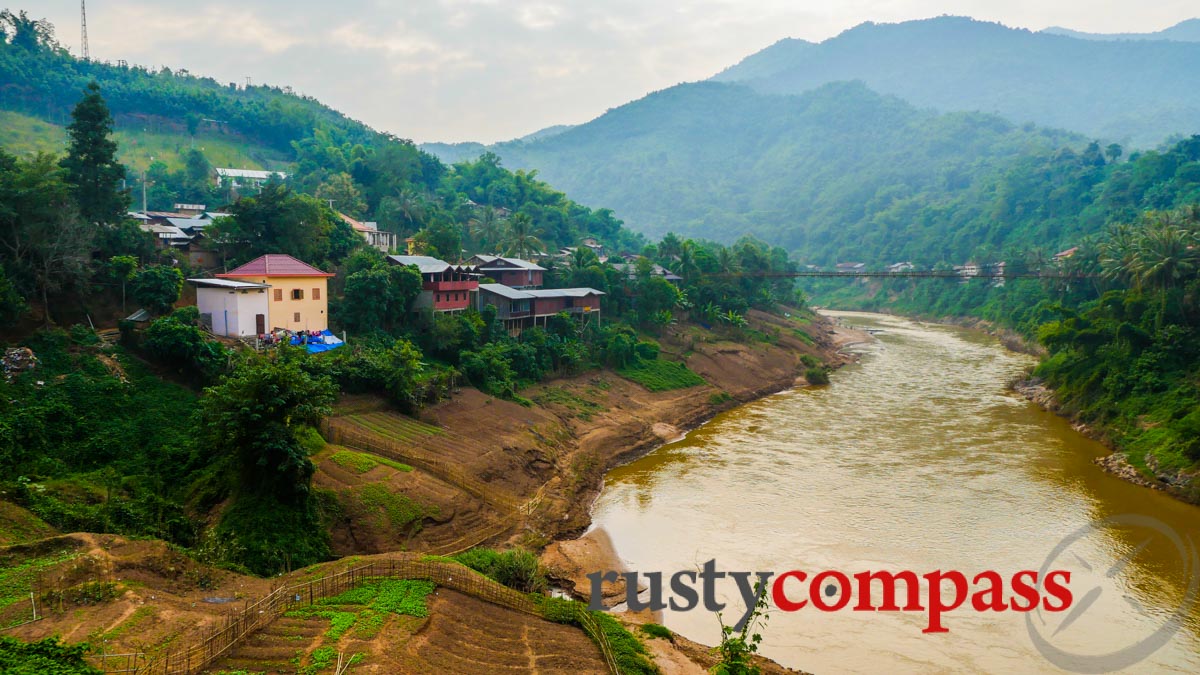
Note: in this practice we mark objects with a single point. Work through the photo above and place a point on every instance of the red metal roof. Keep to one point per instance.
(276, 265)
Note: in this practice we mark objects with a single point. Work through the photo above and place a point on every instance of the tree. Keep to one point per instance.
(254, 415)
(45, 247)
(121, 268)
(340, 189)
(486, 227)
(91, 162)
(278, 220)
(157, 288)
(521, 239)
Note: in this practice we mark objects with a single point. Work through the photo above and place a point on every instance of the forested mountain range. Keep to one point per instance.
(1133, 92)
(839, 172)
(1184, 31)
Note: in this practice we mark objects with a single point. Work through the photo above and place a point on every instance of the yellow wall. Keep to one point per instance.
(314, 314)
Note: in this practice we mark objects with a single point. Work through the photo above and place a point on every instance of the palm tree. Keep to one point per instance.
(1119, 255)
(522, 238)
(412, 207)
(486, 227)
(1166, 255)
(727, 263)
(687, 261)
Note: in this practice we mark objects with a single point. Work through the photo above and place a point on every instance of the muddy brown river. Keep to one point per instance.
(918, 458)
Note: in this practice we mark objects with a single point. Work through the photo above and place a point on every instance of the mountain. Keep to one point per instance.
(1184, 31)
(452, 153)
(719, 160)
(1134, 92)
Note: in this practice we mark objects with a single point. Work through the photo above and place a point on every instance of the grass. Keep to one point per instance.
(398, 510)
(361, 462)
(661, 375)
(364, 609)
(655, 630)
(17, 576)
(583, 408)
(22, 134)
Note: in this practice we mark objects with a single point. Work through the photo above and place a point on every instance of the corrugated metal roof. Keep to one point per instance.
(563, 292)
(427, 264)
(506, 292)
(485, 260)
(171, 231)
(226, 283)
(189, 223)
(249, 173)
(276, 265)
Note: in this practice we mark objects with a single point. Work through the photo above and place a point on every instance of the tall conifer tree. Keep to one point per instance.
(91, 162)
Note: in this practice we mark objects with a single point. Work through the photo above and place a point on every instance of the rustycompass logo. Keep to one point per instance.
(1051, 633)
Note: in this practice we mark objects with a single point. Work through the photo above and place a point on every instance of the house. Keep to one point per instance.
(514, 308)
(299, 298)
(444, 287)
(1063, 255)
(997, 270)
(376, 238)
(232, 308)
(519, 309)
(900, 267)
(630, 271)
(967, 272)
(582, 302)
(851, 267)
(248, 178)
(512, 272)
(190, 209)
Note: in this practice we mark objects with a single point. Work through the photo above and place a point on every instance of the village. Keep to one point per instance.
(278, 298)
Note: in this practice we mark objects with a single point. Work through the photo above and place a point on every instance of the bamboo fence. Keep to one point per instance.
(236, 627)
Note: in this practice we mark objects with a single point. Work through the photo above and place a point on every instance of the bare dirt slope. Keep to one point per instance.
(530, 472)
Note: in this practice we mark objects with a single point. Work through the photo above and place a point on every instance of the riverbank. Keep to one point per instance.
(1145, 471)
(527, 474)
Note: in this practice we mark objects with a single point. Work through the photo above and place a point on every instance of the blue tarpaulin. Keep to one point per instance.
(315, 345)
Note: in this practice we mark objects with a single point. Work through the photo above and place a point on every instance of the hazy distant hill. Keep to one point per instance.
(719, 160)
(467, 150)
(1137, 92)
(1184, 31)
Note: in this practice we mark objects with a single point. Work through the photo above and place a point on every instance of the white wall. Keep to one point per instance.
(233, 312)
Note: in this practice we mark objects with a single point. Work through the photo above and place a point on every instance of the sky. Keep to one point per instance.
(492, 70)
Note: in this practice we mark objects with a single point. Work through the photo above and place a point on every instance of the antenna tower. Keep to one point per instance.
(83, 28)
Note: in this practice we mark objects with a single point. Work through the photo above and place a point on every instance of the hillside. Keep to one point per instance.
(1132, 92)
(137, 147)
(718, 160)
(41, 79)
(1184, 31)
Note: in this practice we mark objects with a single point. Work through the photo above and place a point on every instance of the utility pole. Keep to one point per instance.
(83, 29)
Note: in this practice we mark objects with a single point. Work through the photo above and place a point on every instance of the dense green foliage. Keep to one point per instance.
(1105, 89)
(1128, 361)
(837, 171)
(516, 568)
(661, 375)
(44, 657)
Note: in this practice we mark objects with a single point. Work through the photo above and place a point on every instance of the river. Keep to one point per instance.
(915, 458)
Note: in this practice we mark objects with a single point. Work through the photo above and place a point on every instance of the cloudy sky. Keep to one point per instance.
(488, 70)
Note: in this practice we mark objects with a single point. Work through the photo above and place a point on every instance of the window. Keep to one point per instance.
(296, 317)
(316, 294)
(278, 294)
(297, 293)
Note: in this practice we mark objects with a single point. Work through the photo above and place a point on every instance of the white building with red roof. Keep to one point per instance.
(271, 291)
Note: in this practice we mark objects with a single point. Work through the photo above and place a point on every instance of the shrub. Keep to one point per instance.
(658, 631)
(516, 568)
(817, 376)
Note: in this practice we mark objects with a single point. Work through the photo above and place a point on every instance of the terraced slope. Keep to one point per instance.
(460, 635)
